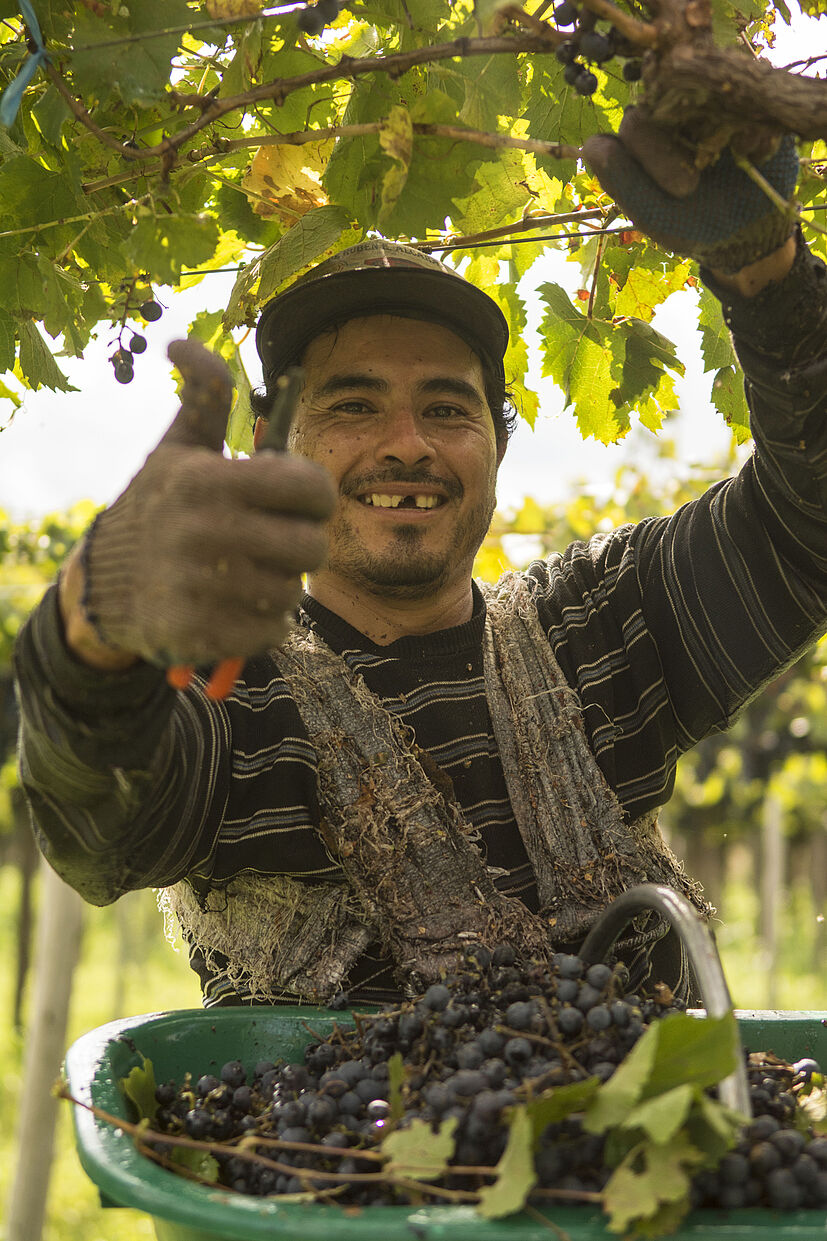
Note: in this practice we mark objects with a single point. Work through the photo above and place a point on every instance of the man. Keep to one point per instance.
(420, 763)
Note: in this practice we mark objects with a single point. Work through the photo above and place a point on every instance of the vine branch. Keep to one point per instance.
(212, 108)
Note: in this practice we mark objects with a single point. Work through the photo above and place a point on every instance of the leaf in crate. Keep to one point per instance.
(651, 1177)
(516, 1176)
(139, 1087)
(417, 1153)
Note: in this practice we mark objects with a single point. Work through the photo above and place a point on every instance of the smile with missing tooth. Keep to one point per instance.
(376, 499)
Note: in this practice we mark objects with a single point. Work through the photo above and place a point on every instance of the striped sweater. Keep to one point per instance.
(665, 629)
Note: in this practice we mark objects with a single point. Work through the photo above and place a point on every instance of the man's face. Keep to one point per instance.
(395, 409)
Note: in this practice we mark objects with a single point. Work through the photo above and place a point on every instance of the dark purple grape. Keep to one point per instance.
(436, 997)
(123, 372)
(565, 13)
(504, 955)
(151, 311)
(598, 975)
(598, 1017)
(519, 1015)
(233, 1073)
(310, 21)
(570, 1020)
(632, 70)
(137, 343)
(517, 1051)
(595, 47)
(197, 1123)
(566, 52)
(328, 9)
(572, 72)
(586, 83)
(567, 966)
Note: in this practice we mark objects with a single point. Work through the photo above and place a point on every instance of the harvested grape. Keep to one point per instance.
(516, 1038)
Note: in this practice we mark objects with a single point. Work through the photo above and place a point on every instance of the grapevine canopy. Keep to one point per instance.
(145, 142)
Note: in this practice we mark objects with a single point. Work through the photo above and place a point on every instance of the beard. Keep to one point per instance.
(406, 567)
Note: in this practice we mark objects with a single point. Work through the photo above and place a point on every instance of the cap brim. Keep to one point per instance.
(289, 322)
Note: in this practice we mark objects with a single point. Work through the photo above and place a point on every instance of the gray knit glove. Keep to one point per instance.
(200, 557)
(720, 217)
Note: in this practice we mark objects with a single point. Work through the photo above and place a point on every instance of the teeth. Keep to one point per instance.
(380, 500)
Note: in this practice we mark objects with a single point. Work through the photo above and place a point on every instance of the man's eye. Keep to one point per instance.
(352, 406)
(446, 411)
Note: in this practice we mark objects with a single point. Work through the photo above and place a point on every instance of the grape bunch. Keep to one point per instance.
(474, 1045)
(123, 357)
(493, 1035)
(313, 18)
(588, 45)
(774, 1164)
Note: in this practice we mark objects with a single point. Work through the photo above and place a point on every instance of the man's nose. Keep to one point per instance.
(404, 437)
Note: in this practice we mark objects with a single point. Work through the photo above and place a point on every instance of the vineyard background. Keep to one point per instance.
(747, 816)
(86, 224)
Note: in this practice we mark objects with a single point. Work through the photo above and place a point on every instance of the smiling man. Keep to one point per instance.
(411, 761)
(396, 411)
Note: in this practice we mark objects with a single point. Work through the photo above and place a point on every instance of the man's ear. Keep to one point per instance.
(502, 444)
(259, 431)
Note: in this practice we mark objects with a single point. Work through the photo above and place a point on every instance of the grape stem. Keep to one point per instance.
(644, 34)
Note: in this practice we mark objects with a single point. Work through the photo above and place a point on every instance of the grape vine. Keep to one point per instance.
(137, 148)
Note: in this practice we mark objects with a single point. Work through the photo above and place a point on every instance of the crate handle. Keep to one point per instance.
(701, 950)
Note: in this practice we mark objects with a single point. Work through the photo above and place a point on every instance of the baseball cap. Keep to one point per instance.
(371, 278)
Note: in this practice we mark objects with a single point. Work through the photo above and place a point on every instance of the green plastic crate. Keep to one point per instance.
(197, 1040)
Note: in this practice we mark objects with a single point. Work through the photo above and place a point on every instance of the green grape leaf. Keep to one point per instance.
(7, 340)
(202, 1163)
(486, 12)
(139, 1087)
(642, 383)
(8, 394)
(136, 70)
(716, 342)
(37, 365)
(644, 290)
(556, 1104)
(675, 1051)
(31, 194)
(728, 397)
(516, 1176)
(163, 245)
(396, 140)
(579, 354)
(50, 111)
(651, 1177)
(499, 195)
(692, 1049)
(417, 1153)
(317, 231)
(662, 1116)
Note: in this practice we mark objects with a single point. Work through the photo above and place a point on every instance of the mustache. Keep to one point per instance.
(374, 479)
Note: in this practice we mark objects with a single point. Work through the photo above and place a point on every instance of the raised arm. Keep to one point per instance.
(199, 559)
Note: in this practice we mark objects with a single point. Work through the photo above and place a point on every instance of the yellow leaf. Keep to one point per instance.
(221, 9)
(644, 290)
(286, 180)
(396, 140)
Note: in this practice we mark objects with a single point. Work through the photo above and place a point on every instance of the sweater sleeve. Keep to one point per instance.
(668, 628)
(126, 778)
(737, 589)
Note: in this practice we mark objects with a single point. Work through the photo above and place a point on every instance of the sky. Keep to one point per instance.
(63, 447)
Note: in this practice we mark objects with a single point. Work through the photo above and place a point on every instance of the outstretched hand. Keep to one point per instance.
(719, 216)
(201, 557)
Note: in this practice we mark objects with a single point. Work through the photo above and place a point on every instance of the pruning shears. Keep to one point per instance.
(288, 390)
